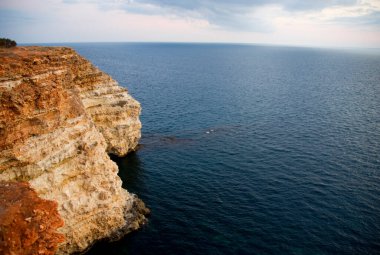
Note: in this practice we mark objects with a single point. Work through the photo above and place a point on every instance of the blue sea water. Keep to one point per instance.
(250, 149)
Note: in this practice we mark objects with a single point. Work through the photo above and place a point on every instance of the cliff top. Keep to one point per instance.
(31, 51)
(21, 61)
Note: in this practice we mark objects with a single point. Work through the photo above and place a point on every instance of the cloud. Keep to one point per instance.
(247, 4)
(242, 15)
(296, 22)
(371, 19)
(364, 13)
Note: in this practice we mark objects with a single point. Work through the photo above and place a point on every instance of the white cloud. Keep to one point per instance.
(362, 9)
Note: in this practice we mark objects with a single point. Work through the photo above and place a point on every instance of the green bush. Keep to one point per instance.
(7, 43)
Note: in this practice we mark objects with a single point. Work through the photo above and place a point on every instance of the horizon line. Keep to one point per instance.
(200, 42)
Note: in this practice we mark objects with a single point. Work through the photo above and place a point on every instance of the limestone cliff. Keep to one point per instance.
(59, 116)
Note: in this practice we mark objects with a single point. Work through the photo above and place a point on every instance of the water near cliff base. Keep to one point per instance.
(251, 149)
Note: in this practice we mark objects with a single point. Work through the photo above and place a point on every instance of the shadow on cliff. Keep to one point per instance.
(130, 171)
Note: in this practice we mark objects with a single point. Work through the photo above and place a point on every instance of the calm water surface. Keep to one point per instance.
(251, 149)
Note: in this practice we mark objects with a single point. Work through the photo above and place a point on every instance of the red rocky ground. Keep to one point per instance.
(28, 224)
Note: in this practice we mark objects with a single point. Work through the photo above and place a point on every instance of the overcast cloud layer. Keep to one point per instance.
(296, 22)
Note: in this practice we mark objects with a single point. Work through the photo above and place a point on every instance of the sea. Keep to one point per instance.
(250, 149)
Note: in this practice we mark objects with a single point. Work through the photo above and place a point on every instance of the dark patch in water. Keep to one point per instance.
(154, 141)
(174, 140)
(185, 137)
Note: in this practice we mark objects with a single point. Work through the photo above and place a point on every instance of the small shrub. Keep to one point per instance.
(7, 43)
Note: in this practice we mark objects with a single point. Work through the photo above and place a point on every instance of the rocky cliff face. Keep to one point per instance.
(59, 116)
(114, 112)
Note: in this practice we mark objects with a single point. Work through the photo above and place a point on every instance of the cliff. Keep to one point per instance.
(59, 117)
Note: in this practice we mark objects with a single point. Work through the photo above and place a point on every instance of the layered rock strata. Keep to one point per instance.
(59, 116)
(114, 112)
(28, 224)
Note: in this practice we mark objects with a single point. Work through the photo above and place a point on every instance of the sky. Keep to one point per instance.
(316, 23)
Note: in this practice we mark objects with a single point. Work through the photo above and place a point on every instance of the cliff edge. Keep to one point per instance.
(59, 117)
